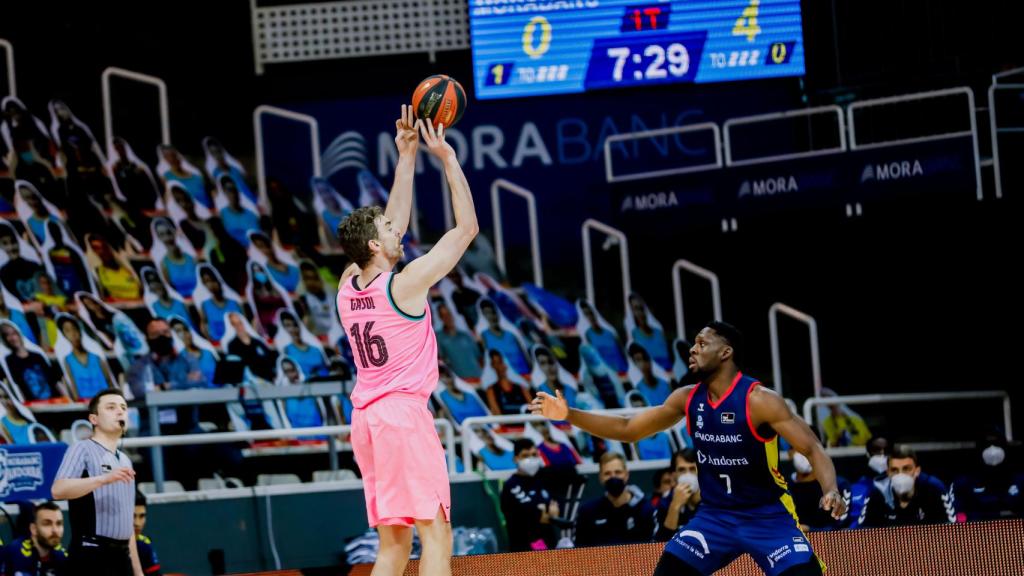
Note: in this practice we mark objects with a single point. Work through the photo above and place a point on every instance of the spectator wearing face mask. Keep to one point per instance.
(679, 504)
(526, 503)
(164, 368)
(662, 483)
(807, 494)
(993, 489)
(874, 474)
(907, 499)
(621, 515)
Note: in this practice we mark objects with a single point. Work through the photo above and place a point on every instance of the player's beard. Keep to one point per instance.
(394, 255)
(699, 373)
(398, 252)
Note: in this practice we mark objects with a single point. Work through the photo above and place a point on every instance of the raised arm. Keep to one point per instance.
(400, 200)
(767, 407)
(621, 428)
(410, 287)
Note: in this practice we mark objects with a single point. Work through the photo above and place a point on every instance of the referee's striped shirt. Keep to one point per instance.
(106, 511)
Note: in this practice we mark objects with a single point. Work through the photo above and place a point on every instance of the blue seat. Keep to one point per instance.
(561, 312)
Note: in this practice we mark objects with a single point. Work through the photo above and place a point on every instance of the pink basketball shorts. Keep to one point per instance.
(405, 476)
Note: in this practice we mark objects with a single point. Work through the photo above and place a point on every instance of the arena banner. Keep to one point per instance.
(552, 146)
(27, 471)
(935, 171)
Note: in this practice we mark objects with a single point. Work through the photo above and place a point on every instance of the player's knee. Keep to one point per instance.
(396, 538)
(436, 533)
(811, 568)
(672, 565)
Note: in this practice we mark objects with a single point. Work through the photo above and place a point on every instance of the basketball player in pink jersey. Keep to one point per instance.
(387, 320)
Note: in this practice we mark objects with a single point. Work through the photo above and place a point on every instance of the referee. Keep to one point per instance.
(98, 481)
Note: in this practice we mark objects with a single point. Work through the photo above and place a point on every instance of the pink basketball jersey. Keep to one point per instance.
(393, 351)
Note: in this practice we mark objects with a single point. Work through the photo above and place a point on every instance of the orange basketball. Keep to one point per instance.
(441, 99)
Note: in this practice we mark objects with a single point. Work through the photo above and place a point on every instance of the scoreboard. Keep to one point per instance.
(534, 47)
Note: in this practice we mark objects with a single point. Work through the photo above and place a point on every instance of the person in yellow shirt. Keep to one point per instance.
(844, 427)
(117, 279)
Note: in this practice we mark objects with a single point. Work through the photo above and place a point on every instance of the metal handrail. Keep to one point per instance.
(1006, 74)
(156, 400)
(12, 87)
(314, 141)
(475, 421)
(832, 108)
(499, 236)
(611, 177)
(812, 326)
(677, 292)
(973, 132)
(588, 271)
(158, 442)
(810, 403)
(170, 398)
(994, 129)
(108, 118)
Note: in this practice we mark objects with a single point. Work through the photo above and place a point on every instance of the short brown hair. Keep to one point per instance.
(608, 457)
(901, 452)
(94, 403)
(358, 229)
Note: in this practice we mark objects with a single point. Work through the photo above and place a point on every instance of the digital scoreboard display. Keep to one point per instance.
(534, 47)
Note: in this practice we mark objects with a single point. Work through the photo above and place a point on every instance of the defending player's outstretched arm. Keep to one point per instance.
(410, 287)
(767, 407)
(624, 429)
(407, 139)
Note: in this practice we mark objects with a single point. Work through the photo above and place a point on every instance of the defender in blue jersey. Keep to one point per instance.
(735, 424)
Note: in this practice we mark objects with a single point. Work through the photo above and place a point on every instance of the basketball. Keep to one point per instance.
(441, 99)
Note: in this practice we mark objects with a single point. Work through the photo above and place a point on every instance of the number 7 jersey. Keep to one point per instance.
(394, 352)
(737, 465)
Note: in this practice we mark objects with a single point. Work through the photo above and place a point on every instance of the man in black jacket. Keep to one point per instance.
(621, 516)
(526, 503)
(907, 499)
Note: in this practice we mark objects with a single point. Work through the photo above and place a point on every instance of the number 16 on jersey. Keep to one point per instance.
(371, 349)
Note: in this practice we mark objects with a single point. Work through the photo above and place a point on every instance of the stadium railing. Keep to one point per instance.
(677, 291)
(588, 268)
(999, 83)
(773, 329)
(775, 117)
(499, 237)
(810, 403)
(108, 108)
(155, 401)
(12, 87)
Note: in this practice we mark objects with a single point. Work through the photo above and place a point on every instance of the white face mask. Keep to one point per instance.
(690, 479)
(801, 463)
(878, 463)
(530, 466)
(902, 484)
(993, 455)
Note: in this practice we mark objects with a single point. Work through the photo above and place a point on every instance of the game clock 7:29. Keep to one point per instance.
(650, 59)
